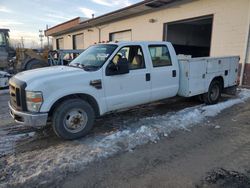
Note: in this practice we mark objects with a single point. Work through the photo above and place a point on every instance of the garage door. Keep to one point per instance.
(190, 37)
(78, 42)
(59, 43)
(121, 36)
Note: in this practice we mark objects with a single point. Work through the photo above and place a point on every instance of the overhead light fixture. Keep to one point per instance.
(152, 20)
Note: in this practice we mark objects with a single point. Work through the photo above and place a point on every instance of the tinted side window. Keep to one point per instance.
(133, 55)
(160, 55)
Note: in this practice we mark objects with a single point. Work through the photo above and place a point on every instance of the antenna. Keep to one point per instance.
(47, 27)
(22, 42)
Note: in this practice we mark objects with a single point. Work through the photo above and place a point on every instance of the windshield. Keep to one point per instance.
(2, 39)
(94, 57)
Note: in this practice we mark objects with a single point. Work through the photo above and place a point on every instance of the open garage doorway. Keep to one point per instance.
(190, 37)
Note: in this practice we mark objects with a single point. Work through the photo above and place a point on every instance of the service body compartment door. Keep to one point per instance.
(192, 77)
(197, 77)
(233, 72)
(196, 74)
(215, 65)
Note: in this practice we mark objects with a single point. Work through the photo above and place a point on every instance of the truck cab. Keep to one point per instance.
(104, 78)
(6, 52)
(150, 74)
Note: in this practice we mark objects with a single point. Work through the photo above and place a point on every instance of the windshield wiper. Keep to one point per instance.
(78, 65)
(85, 67)
(75, 65)
(90, 67)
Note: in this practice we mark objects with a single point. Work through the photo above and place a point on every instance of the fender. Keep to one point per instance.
(215, 76)
(51, 99)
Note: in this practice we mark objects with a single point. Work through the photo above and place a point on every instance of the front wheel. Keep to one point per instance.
(214, 93)
(73, 119)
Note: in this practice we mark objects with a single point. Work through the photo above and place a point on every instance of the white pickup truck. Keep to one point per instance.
(112, 76)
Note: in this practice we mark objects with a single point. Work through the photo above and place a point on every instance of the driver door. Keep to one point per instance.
(133, 88)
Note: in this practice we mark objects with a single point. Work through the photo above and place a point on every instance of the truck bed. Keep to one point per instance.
(197, 73)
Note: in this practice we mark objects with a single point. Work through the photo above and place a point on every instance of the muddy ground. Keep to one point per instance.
(215, 153)
(45, 138)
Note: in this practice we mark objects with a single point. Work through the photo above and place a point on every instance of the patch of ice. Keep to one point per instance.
(217, 127)
(8, 142)
(52, 164)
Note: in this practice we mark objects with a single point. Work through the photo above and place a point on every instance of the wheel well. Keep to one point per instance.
(220, 79)
(85, 97)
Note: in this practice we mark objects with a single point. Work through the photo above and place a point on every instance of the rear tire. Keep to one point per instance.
(73, 119)
(214, 93)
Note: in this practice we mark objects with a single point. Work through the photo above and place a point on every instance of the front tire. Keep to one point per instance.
(214, 93)
(73, 119)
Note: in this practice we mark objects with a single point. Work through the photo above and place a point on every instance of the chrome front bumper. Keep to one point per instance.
(29, 119)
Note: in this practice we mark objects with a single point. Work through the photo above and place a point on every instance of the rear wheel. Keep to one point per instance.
(214, 93)
(73, 119)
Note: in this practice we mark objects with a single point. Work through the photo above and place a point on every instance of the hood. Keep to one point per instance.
(47, 73)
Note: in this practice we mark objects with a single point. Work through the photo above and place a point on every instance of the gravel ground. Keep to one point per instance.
(214, 155)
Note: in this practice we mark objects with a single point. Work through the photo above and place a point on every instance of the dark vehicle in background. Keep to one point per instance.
(20, 59)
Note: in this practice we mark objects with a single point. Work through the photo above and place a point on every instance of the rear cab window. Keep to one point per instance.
(160, 55)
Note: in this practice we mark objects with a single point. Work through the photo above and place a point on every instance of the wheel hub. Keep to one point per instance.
(215, 92)
(75, 120)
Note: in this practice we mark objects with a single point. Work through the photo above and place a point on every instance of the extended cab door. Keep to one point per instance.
(130, 89)
(164, 72)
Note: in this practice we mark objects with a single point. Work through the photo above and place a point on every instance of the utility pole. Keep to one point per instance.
(47, 27)
(41, 37)
(22, 42)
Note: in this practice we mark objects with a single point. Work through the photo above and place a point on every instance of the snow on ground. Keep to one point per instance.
(41, 167)
(8, 142)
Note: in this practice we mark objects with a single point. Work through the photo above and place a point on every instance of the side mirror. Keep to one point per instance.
(121, 67)
(112, 67)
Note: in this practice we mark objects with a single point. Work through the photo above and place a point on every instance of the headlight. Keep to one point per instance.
(34, 100)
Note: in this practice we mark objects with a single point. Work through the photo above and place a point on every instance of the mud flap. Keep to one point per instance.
(230, 90)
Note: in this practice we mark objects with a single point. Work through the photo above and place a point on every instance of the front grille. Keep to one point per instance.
(17, 94)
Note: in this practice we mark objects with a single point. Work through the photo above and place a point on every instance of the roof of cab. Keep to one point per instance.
(135, 42)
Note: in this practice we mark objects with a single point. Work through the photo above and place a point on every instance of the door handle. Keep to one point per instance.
(174, 73)
(148, 77)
